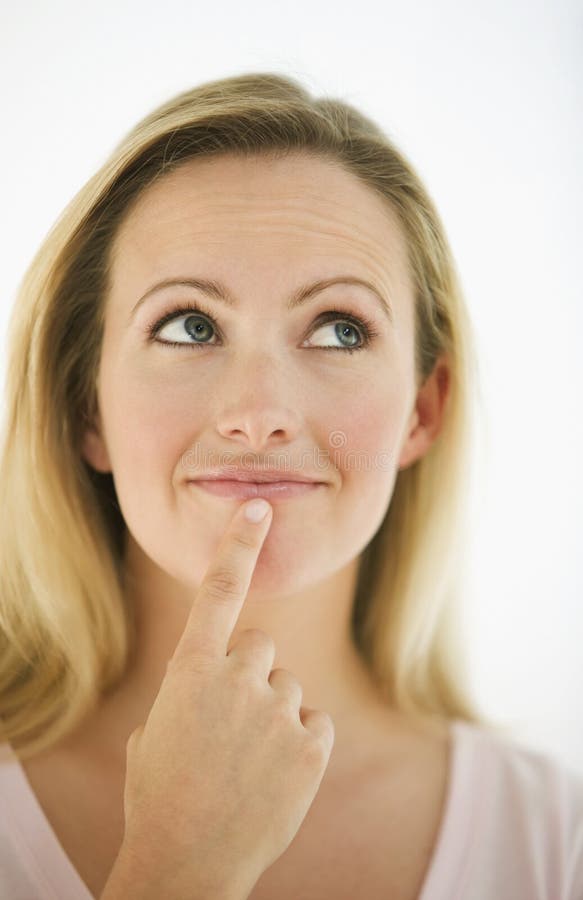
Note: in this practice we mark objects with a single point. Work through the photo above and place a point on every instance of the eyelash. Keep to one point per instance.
(364, 325)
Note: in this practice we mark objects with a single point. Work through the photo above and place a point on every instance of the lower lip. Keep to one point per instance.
(276, 490)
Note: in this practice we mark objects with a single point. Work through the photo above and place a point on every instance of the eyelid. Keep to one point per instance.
(358, 320)
(174, 312)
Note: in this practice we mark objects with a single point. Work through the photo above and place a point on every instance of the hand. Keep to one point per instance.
(227, 764)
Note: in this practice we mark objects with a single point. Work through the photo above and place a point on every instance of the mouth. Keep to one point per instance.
(270, 490)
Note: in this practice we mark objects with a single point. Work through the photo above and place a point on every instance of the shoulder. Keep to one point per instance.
(527, 809)
(533, 776)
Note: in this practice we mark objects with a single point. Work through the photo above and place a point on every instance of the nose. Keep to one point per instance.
(258, 429)
(258, 412)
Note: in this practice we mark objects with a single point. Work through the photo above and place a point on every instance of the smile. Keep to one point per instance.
(274, 490)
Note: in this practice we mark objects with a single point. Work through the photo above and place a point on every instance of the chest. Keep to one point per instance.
(85, 811)
(370, 835)
(372, 839)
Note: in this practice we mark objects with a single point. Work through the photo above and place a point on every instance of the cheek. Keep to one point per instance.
(147, 423)
(365, 433)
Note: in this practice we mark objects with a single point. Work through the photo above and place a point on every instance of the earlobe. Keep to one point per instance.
(427, 417)
(93, 448)
(410, 449)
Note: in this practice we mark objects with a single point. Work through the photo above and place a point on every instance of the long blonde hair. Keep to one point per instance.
(66, 628)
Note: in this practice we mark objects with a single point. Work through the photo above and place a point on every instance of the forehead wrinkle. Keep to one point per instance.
(367, 244)
(161, 222)
(252, 221)
(350, 262)
(384, 289)
(264, 207)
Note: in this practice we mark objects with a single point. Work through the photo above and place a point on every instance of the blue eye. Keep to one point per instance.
(199, 325)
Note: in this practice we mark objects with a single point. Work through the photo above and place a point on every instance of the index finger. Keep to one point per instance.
(223, 590)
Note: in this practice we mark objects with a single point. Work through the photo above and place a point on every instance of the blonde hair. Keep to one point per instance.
(66, 628)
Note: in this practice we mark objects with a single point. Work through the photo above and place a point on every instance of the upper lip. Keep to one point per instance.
(256, 475)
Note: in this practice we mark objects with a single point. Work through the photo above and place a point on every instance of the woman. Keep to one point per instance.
(255, 288)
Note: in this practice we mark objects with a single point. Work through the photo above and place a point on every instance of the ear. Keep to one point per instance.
(427, 417)
(93, 446)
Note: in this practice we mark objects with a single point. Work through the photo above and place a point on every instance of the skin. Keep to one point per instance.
(260, 389)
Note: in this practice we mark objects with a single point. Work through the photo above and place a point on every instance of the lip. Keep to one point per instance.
(244, 489)
(255, 475)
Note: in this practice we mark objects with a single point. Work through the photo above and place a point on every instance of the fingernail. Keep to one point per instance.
(256, 510)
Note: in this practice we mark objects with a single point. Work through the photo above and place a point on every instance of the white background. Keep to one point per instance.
(485, 99)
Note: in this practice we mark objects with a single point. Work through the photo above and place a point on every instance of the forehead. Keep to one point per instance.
(229, 214)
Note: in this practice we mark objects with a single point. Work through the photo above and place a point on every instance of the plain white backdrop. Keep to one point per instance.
(485, 99)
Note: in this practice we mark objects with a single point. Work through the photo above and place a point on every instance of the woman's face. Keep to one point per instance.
(251, 382)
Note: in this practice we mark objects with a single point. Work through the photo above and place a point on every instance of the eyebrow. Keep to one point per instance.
(218, 291)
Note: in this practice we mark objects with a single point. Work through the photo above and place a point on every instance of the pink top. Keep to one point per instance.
(512, 829)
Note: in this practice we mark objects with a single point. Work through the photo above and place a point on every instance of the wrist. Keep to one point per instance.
(140, 878)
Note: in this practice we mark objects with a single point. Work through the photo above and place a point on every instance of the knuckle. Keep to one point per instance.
(328, 730)
(289, 677)
(283, 712)
(325, 723)
(314, 752)
(245, 686)
(285, 680)
(286, 709)
(258, 638)
(319, 732)
(251, 647)
(133, 740)
(287, 692)
(224, 583)
(282, 717)
(195, 658)
(240, 539)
